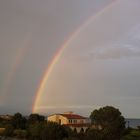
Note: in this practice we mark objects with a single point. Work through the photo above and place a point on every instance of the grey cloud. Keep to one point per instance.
(116, 52)
(68, 107)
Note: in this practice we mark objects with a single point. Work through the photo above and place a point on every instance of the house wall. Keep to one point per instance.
(77, 121)
(57, 119)
(64, 120)
(78, 129)
(83, 121)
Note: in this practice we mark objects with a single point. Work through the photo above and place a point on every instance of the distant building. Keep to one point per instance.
(74, 121)
(6, 117)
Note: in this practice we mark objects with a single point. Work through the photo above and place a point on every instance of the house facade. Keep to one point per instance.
(74, 121)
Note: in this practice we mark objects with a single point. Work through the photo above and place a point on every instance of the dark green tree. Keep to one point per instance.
(94, 134)
(33, 118)
(81, 134)
(46, 131)
(109, 121)
(68, 131)
(53, 131)
(18, 121)
(74, 132)
(35, 130)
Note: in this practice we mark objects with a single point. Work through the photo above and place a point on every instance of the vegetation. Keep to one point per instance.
(107, 124)
(18, 121)
(131, 134)
(9, 129)
(34, 118)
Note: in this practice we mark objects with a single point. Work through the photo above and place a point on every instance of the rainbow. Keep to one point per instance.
(59, 53)
(20, 54)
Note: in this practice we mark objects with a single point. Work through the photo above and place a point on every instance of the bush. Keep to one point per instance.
(20, 133)
(9, 129)
(134, 134)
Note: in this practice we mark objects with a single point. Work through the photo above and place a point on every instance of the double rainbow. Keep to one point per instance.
(57, 56)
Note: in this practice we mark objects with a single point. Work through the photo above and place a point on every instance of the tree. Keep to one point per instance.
(35, 130)
(74, 132)
(93, 134)
(33, 118)
(81, 135)
(47, 131)
(109, 121)
(53, 131)
(18, 121)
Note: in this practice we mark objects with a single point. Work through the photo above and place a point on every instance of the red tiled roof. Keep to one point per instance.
(78, 125)
(73, 116)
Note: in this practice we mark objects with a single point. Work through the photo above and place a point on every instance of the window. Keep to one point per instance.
(70, 121)
(75, 121)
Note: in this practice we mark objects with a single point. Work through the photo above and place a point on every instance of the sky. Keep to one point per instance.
(99, 63)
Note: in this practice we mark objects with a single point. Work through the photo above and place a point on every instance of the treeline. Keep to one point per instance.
(107, 123)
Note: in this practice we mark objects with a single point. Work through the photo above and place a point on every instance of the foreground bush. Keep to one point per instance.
(20, 133)
(47, 131)
(134, 134)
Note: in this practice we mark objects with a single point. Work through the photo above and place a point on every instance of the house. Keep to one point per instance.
(6, 117)
(74, 121)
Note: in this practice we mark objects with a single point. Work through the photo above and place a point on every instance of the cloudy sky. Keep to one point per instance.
(99, 66)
